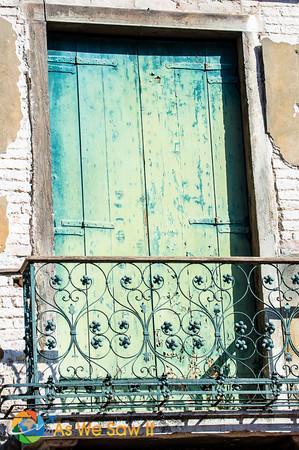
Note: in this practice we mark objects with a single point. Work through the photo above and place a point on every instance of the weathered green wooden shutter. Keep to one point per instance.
(231, 202)
(195, 171)
(177, 149)
(66, 156)
(149, 137)
(147, 160)
(194, 167)
(67, 201)
(106, 167)
(97, 150)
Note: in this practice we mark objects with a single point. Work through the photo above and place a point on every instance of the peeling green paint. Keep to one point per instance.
(144, 146)
(172, 126)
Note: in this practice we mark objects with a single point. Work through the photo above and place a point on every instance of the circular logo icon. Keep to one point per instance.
(27, 427)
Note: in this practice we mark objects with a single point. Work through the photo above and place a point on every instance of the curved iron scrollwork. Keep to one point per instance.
(162, 335)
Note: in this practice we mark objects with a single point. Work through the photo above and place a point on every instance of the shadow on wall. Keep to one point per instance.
(12, 360)
(261, 80)
(15, 361)
(218, 442)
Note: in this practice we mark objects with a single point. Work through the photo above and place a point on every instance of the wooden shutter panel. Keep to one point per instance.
(66, 164)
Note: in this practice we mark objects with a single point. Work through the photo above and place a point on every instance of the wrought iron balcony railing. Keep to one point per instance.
(159, 334)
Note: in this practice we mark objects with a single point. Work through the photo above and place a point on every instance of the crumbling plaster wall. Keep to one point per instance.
(281, 65)
(15, 181)
(281, 24)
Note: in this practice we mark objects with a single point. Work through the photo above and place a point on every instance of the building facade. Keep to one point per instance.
(103, 105)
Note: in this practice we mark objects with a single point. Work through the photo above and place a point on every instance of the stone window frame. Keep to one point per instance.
(244, 29)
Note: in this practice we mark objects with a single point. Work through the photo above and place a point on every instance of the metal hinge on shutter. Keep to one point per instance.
(69, 59)
(198, 66)
(186, 65)
(76, 227)
(95, 61)
(222, 227)
(61, 63)
(70, 231)
(66, 63)
(65, 68)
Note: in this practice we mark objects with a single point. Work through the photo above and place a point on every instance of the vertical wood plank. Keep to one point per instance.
(66, 158)
(68, 207)
(230, 196)
(113, 187)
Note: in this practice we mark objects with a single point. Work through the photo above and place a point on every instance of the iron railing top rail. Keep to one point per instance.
(148, 259)
(162, 259)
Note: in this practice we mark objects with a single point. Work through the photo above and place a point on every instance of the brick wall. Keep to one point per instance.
(287, 194)
(281, 20)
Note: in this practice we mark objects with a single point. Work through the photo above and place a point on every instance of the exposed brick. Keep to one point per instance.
(273, 28)
(289, 185)
(14, 175)
(10, 290)
(290, 12)
(18, 323)
(19, 249)
(288, 205)
(288, 195)
(287, 174)
(292, 225)
(19, 197)
(10, 185)
(290, 215)
(11, 313)
(290, 235)
(17, 164)
(270, 11)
